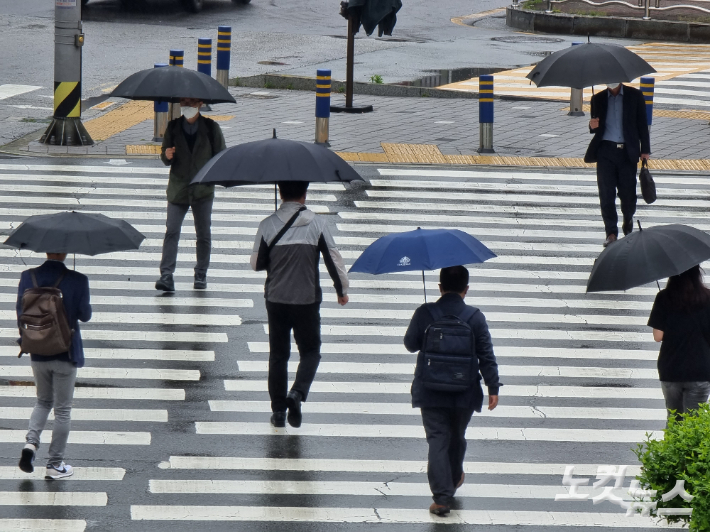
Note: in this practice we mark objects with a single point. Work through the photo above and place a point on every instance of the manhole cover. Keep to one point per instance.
(525, 38)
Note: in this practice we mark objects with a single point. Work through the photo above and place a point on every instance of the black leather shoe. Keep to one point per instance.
(293, 401)
(165, 283)
(200, 281)
(610, 239)
(439, 509)
(627, 226)
(278, 419)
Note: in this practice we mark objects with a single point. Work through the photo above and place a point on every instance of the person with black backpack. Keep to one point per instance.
(51, 300)
(455, 349)
(189, 142)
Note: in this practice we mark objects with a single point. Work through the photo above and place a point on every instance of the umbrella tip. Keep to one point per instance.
(274, 134)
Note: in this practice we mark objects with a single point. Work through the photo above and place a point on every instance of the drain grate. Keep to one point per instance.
(526, 38)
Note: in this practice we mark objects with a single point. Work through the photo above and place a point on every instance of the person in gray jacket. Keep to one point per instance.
(288, 246)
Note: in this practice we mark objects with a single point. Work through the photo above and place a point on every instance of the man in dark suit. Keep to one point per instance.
(55, 375)
(620, 137)
(446, 414)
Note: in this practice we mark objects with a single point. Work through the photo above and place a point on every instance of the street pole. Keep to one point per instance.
(350, 64)
(66, 128)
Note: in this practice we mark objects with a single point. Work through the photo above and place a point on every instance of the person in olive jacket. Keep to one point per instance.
(189, 142)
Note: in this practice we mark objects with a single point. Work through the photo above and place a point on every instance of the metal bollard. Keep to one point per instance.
(647, 86)
(160, 122)
(322, 106)
(485, 113)
(224, 52)
(204, 61)
(177, 58)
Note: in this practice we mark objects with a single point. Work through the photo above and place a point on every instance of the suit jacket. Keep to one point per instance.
(486, 360)
(635, 124)
(75, 295)
(185, 163)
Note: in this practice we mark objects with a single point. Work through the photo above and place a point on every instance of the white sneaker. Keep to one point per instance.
(27, 458)
(54, 472)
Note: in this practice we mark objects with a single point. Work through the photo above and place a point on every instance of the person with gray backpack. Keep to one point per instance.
(51, 300)
(455, 349)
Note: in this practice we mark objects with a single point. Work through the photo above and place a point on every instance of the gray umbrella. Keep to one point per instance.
(589, 64)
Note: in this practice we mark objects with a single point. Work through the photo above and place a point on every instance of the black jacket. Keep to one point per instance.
(636, 137)
(414, 340)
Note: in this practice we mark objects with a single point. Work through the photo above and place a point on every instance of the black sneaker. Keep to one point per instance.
(165, 283)
(627, 226)
(293, 401)
(278, 419)
(200, 281)
(27, 458)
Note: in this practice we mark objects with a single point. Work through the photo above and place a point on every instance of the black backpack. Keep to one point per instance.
(449, 352)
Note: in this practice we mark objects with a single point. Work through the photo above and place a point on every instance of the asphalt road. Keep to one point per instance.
(171, 415)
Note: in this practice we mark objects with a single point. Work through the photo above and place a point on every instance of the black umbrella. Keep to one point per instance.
(648, 255)
(585, 65)
(371, 14)
(75, 232)
(169, 84)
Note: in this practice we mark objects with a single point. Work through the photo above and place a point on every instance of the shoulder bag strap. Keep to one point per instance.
(34, 278)
(286, 227)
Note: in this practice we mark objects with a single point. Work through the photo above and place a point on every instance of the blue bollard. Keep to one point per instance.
(224, 52)
(647, 87)
(204, 56)
(322, 106)
(485, 113)
(161, 109)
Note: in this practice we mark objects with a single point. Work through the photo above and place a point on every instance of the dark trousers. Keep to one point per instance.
(685, 396)
(305, 322)
(446, 435)
(202, 215)
(615, 172)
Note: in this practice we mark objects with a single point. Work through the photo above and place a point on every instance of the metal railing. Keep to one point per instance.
(645, 5)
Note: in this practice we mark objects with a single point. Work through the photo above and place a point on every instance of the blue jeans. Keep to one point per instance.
(684, 396)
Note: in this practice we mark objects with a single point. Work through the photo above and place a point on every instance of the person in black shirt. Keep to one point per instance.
(681, 321)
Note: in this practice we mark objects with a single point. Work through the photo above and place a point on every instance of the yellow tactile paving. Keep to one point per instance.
(220, 118)
(120, 119)
(669, 59)
(430, 154)
(142, 149)
(103, 105)
(690, 114)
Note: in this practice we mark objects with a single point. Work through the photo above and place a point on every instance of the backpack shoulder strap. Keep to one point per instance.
(34, 278)
(286, 227)
(467, 313)
(61, 278)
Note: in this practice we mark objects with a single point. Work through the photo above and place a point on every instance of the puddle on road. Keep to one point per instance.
(444, 77)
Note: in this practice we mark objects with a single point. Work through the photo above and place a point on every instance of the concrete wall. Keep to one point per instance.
(632, 28)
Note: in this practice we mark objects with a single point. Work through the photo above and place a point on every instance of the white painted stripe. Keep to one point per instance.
(405, 409)
(84, 437)
(158, 301)
(382, 516)
(115, 373)
(687, 102)
(139, 336)
(373, 466)
(500, 351)
(343, 430)
(129, 255)
(43, 525)
(679, 92)
(93, 414)
(81, 392)
(384, 368)
(9, 90)
(521, 334)
(80, 473)
(13, 167)
(520, 198)
(69, 498)
(188, 243)
(512, 390)
(203, 320)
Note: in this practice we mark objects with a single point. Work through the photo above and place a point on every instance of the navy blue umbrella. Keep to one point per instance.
(421, 249)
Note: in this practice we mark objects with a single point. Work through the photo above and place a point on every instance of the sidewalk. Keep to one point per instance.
(433, 130)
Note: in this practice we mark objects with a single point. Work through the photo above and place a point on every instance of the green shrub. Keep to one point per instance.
(683, 454)
(376, 79)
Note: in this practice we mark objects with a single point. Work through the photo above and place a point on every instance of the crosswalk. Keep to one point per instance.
(171, 414)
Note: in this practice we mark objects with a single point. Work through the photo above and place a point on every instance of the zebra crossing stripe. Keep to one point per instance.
(151, 318)
(140, 336)
(43, 525)
(131, 394)
(231, 463)
(343, 430)
(405, 409)
(80, 473)
(158, 301)
(69, 498)
(510, 390)
(114, 373)
(382, 516)
(83, 437)
(93, 414)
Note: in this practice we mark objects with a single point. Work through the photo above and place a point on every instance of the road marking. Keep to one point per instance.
(43, 525)
(82, 392)
(93, 414)
(184, 355)
(114, 373)
(69, 498)
(9, 90)
(202, 320)
(84, 437)
(80, 473)
(139, 336)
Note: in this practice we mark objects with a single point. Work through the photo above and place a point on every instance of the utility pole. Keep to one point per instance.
(66, 128)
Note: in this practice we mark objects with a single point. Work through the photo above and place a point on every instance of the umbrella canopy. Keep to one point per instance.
(169, 84)
(274, 160)
(421, 249)
(371, 14)
(75, 232)
(589, 64)
(648, 255)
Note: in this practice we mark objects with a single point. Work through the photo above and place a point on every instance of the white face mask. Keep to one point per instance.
(613, 86)
(189, 112)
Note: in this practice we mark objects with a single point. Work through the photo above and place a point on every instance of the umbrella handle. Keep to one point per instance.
(424, 283)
